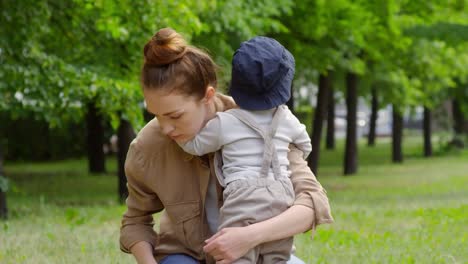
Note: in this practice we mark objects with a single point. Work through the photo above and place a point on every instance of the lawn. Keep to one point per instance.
(415, 212)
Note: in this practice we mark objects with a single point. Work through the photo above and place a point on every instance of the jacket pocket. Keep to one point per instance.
(186, 218)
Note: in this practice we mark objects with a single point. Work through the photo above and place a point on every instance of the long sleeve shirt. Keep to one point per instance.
(242, 147)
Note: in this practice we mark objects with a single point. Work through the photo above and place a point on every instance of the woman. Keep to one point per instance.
(179, 86)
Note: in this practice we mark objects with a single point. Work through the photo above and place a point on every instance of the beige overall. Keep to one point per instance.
(254, 200)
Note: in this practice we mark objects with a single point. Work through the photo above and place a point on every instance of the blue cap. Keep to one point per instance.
(262, 74)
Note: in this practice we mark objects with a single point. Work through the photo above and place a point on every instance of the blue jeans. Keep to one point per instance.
(185, 259)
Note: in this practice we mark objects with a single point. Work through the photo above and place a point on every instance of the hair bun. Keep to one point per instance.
(165, 47)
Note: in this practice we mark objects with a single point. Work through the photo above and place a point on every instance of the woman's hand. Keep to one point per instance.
(231, 243)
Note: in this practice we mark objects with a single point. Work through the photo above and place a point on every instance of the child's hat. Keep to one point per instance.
(262, 74)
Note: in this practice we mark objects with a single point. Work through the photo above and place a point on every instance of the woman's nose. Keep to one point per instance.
(167, 128)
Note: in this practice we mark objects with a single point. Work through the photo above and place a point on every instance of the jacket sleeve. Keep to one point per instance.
(137, 222)
(309, 192)
(206, 141)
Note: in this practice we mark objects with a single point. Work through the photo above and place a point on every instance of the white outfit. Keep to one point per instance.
(254, 171)
(242, 148)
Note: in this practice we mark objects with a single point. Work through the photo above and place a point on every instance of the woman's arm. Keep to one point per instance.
(137, 235)
(143, 253)
(310, 208)
(231, 243)
(297, 219)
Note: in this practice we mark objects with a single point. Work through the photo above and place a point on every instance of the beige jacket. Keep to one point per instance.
(162, 177)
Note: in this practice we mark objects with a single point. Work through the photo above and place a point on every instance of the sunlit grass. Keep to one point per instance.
(61, 214)
(415, 212)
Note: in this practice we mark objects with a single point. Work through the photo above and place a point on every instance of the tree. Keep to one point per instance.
(415, 68)
(427, 132)
(330, 139)
(326, 36)
(290, 102)
(241, 20)
(373, 117)
(39, 49)
(383, 61)
(13, 74)
(351, 160)
(125, 135)
(3, 188)
(319, 116)
(459, 119)
(95, 136)
(444, 41)
(397, 134)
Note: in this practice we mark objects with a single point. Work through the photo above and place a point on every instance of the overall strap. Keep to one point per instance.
(270, 156)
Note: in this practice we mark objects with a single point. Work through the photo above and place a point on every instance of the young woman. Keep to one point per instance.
(179, 86)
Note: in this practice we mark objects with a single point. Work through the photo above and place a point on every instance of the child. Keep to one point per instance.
(254, 141)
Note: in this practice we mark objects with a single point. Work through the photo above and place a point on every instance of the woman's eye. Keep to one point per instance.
(176, 117)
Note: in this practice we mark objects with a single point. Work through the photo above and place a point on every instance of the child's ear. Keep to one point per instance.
(209, 94)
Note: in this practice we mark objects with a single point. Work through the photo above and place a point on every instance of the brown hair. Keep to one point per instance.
(173, 65)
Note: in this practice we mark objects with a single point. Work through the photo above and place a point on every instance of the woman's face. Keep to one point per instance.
(180, 116)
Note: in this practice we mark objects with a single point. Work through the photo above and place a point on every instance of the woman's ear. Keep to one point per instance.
(209, 94)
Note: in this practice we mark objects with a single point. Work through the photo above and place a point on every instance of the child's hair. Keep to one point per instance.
(173, 65)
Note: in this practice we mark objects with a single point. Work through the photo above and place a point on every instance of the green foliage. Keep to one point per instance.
(325, 35)
(59, 55)
(68, 53)
(412, 51)
(422, 67)
(228, 23)
(47, 71)
(450, 33)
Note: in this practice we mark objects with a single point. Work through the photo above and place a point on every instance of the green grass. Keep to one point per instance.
(415, 212)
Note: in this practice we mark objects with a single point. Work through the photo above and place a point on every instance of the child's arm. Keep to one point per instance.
(206, 141)
(302, 141)
(300, 137)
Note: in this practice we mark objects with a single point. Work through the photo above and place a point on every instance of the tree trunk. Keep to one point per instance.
(3, 199)
(397, 136)
(458, 118)
(125, 135)
(3, 206)
(290, 102)
(427, 132)
(96, 155)
(47, 140)
(373, 118)
(319, 117)
(351, 151)
(331, 117)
